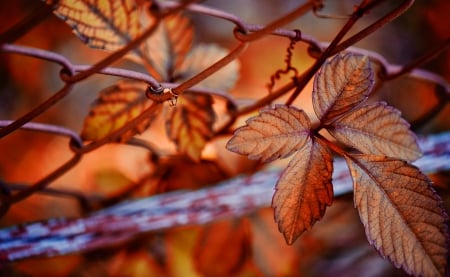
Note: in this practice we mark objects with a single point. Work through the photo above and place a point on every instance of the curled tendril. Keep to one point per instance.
(288, 61)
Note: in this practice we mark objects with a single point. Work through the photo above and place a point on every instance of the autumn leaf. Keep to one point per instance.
(377, 129)
(223, 248)
(201, 57)
(340, 85)
(303, 190)
(168, 46)
(190, 124)
(114, 108)
(106, 25)
(275, 133)
(401, 213)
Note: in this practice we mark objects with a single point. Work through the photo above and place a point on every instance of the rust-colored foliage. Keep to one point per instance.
(100, 24)
(402, 214)
(168, 55)
(190, 124)
(115, 106)
(275, 133)
(393, 198)
(304, 190)
(223, 248)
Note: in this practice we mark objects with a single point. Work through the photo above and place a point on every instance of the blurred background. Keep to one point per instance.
(251, 246)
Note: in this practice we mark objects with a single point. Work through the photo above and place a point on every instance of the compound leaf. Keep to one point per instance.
(203, 56)
(340, 85)
(275, 133)
(401, 213)
(303, 190)
(114, 108)
(168, 46)
(106, 25)
(190, 124)
(377, 129)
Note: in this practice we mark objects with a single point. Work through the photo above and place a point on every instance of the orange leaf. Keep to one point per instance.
(114, 108)
(190, 124)
(100, 24)
(377, 129)
(275, 133)
(303, 190)
(223, 248)
(401, 213)
(203, 56)
(167, 47)
(341, 84)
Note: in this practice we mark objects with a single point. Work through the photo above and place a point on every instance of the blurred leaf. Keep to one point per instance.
(167, 47)
(223, 248)
(137, 263)
(203, 56)
(401, 213)
(303, 190)
(111, 182)
(55, 266)
(340, 85)
(182, 174)
(377, 129)
(275, 133)
(114, 108)
(108, 24)
(190, 123)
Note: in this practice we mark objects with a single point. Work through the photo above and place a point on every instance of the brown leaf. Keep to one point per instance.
(401, 213)
(303, 190)
(203, 56)
(275, 133)
(114, 108)
(223, 248)
(190, 124)
(166, 49)
(341, 84)
(377, 129)
(100, 24)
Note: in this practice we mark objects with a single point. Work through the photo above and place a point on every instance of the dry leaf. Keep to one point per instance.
(275, 133)
(377, 129)
(401, 213)
(167, 47)
(203, 56)
(190, 124)
(101, 24)
(223, 248)
(340, 85)
(303, 190)
(114, 108)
